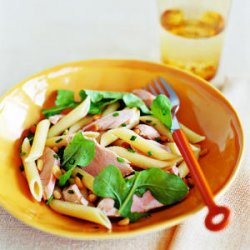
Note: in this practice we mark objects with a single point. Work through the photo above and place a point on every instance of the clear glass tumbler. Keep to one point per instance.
(192, 34)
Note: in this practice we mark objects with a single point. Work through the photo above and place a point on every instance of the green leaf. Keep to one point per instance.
(161, 109)
(64, 100)
(97, 96)
(166, 188)
(79, 151)
(132, 100)
(64, 97)
(97, 108)
(110, 183)
(129, 99)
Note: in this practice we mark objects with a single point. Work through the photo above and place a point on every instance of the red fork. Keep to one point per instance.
(161, 87)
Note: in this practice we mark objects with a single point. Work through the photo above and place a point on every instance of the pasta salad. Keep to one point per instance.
(108, 156)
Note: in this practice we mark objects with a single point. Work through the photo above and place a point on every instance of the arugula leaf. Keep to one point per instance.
(99, 99)
(161, 109)
(79, 151)
(129, 99)
(132, 100)
(166, 188)
(110, 183)
(97, 108)
(64, 97)
(64, 100)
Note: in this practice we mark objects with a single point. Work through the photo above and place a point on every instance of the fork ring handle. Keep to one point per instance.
(201, 183)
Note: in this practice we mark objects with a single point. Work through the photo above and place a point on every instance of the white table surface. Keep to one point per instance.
(35, 35)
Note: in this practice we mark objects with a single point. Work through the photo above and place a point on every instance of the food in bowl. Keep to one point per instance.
(109, 155)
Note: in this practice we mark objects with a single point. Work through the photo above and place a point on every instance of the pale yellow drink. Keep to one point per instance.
(193, 44)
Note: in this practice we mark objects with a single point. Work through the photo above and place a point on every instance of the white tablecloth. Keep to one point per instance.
(38, 34)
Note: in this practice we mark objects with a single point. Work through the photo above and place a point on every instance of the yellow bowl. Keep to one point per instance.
(203, 109)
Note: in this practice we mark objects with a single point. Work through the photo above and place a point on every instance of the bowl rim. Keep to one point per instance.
(160, 225)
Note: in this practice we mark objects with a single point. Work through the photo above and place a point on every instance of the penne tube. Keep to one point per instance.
(111, 108)
(173, 147)
(63, 140)
(72, 117)
(192, 136)
(92, 214)
(142, 144)
(183, 170)
(31, 173)
(108, 137)
(143, 161)
(88, 180)
(58, 141)
(78, 125)
(158, 125)
(39, 140)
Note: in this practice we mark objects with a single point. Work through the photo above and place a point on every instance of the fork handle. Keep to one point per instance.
(200, 181)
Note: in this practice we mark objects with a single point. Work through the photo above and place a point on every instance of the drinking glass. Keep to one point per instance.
(192, 34)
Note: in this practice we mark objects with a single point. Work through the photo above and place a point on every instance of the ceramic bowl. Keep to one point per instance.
(203, 109)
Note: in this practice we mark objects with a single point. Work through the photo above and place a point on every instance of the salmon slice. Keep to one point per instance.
(113, 120)
(46, 175)
(145, 203)
(73, 194)
(54, 119)
(148, 132)
(146, 96)
(107, 205)
(104, 157)
(140, 204)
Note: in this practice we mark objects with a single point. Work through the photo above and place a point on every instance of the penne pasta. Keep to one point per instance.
(159, 126)
(108, 137)
(68, 120)
(92, 214)
(78, 125)
(39, 140)
(183, 170)
(142, 144)
(31, 173)
(192, 136)
(111, 108)
(58, 141)
(87, 179)
(63, 140)
(173, 147)
(143, 161)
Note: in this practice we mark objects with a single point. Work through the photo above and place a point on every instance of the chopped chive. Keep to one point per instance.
(50, 199)
(55, 156)
(133, 138)
(116, 114)
(72, 161)
(158, 139)
(79, 175)
(150, 153)
(22, 154)
(71, 191)
(164, 112)
(58, 140)
(148, 121)
(119, 159)
(131, 150)
(30, 137)
(124, 124)
(21, 168)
